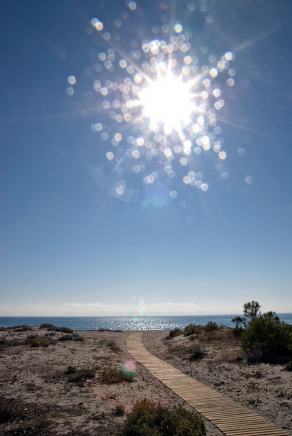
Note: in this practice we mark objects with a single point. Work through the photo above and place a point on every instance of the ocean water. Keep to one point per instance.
(126, 323)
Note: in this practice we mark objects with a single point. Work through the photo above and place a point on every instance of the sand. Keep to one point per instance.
(46, 402)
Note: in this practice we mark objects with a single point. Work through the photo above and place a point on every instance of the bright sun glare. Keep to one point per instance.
(167, 101)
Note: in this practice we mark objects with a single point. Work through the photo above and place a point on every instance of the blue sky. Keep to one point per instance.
(68, 246)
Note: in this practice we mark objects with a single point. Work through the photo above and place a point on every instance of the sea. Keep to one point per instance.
(126, 323)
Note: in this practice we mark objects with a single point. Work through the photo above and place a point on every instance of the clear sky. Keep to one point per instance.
(82, 233)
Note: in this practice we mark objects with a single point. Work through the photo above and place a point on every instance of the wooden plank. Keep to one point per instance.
(230, 417)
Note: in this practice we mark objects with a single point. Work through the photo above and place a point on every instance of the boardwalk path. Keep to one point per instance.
(229, 417)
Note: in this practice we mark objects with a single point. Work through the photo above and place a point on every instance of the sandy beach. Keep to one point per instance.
(262, 387)
(48, 393)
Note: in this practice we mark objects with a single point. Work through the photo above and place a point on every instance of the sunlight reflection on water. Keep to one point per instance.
(125, 323)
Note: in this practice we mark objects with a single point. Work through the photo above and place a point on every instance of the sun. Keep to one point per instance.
(168, 101)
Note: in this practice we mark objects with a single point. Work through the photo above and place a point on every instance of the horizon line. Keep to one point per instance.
(127, 316)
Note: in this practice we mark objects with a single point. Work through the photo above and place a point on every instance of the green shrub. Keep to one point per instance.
(173, 333)
(240, 322)
(266, 338)
(190, 329)
(289, 366)
(150, 419)
(237, 331)
(251, 310)
(197, 352)
(38, 341)
(211, 325)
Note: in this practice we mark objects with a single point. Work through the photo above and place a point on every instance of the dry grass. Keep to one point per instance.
(79, 376)
(116, 375)
(38, 341)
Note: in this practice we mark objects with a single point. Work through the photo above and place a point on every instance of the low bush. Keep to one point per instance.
(237, 331)
(35, 427)
(117, 375)
(119, 410)
(197, 352)
(10, 410)
(48, 326)
(72, 337)
(63, 330)
(190, 329)
(289, 366)
(175, 332)
(70, 370)
(211, 325)
(4, 342)
(79, 376)
(268, 339)
(38, 341)
(113, 346)
(22, 419)
(19, 328)
(22, 328)
(150, 419)
(110, 376)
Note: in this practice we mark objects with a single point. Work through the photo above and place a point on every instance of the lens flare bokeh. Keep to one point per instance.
(159, 92)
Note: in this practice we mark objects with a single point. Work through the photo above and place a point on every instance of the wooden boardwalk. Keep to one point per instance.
(228, 416)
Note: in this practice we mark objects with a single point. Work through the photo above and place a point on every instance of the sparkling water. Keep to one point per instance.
(126, 323)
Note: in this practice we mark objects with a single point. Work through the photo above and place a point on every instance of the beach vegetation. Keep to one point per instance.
(118, 374)
(240, 324)
(10, 410)
(70, 370)
(266, 338)
(251, 310)
(119, 410)
(289, 366)
(38, 341)
(79, 376)
(17, 328)
(197, 352)
(113, 346)
(174, 332)
(72, 337)
(47, 326)
(190, 329)
(211, 326)
(64, 330)
(150, 419)
(4, 342)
